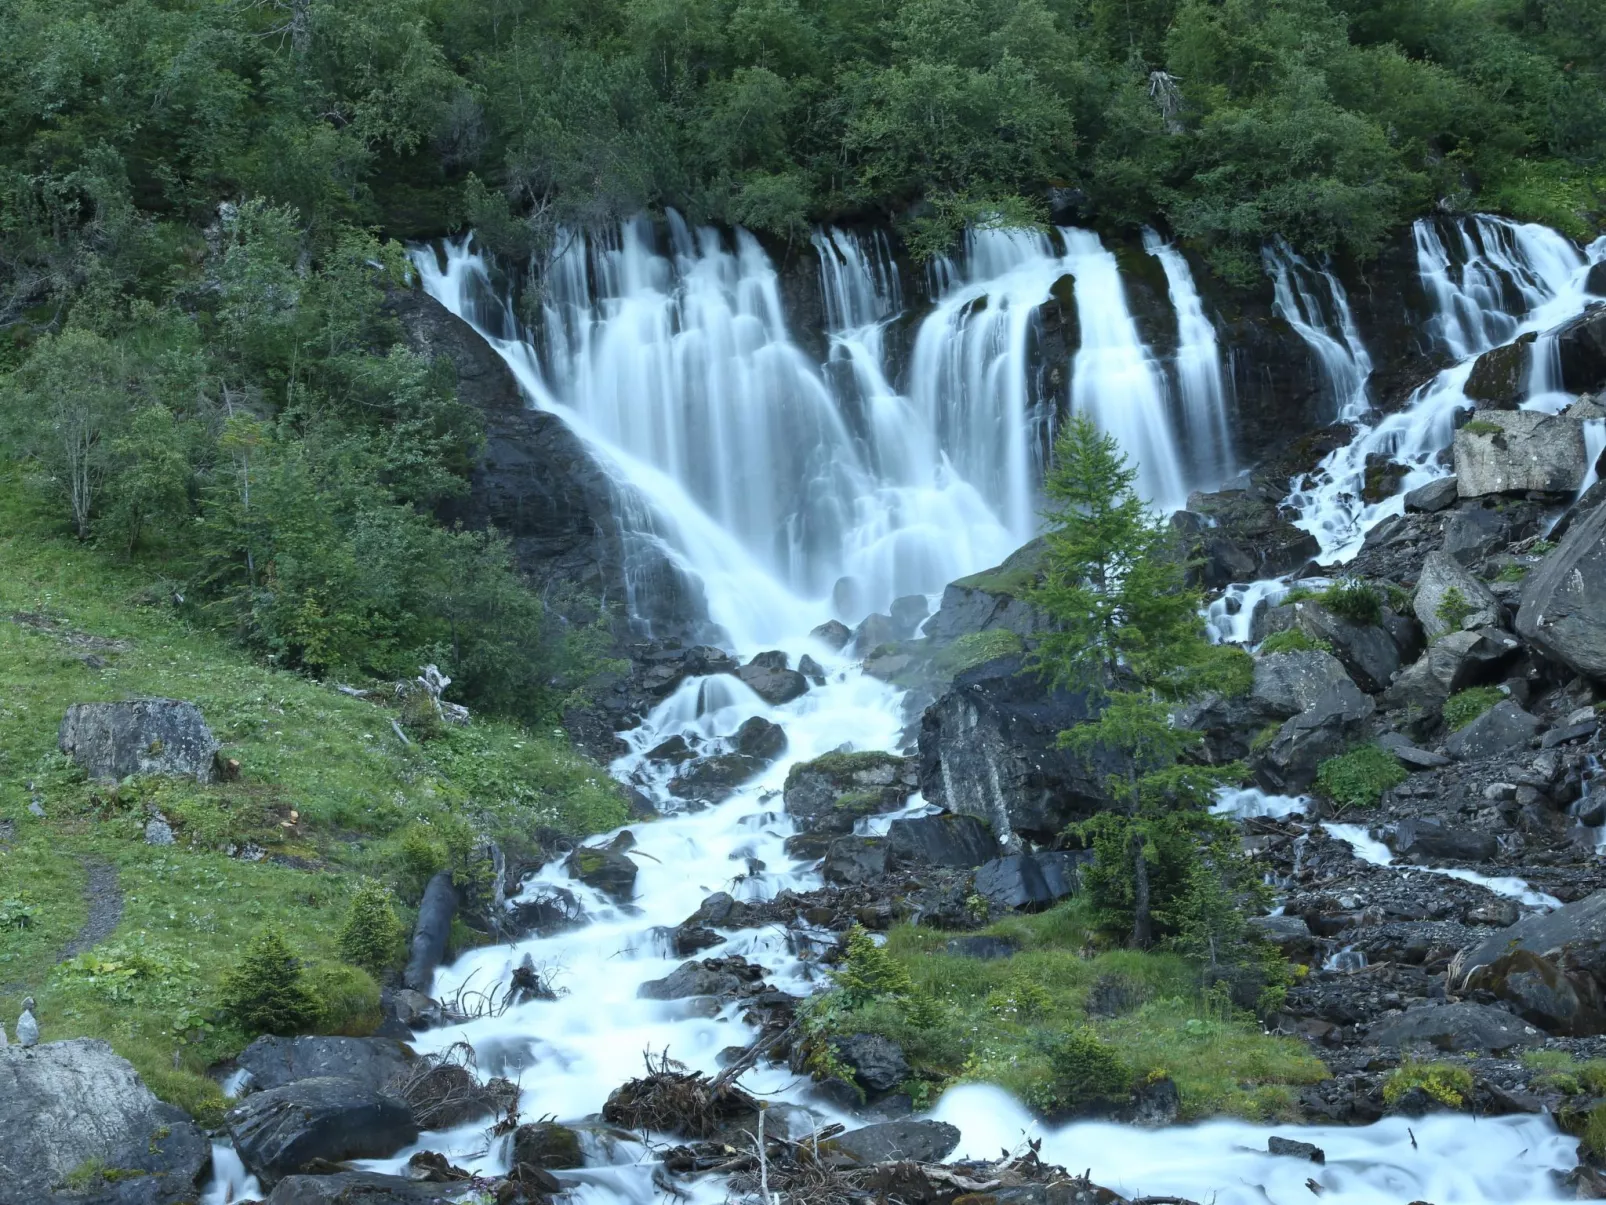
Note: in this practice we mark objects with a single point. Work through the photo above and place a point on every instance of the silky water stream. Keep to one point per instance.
(775, 482)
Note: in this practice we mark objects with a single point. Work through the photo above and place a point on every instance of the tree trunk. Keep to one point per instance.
(1142, 922)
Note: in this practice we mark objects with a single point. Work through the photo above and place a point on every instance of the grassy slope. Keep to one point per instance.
(996, 1014)
(187, 909)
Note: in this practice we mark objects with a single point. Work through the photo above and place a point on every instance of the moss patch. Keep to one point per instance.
(1359, 778)
(1446, 1083)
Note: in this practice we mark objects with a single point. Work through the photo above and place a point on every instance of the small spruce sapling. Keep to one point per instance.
(268, 992)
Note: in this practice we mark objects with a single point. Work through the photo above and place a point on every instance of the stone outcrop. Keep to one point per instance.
(1518, 452)
(1563, 608)
(992, 600)
(278, 1132)
(1436, 607)
(831, 793)
(273, 1062)
(67, 1106)
(144, 736)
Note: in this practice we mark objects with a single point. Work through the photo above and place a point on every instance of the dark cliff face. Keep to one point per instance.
(536, 483)
(1392, 313)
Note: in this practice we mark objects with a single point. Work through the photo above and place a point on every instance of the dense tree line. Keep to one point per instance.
(200, 202)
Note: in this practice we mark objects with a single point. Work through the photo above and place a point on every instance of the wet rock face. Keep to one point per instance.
(361, 1188)
(280, 1131)
(1562, 610)
(146, 736)
(64, 1105)
(1240, 535)
(274, 1062)
(1517, 452)
(608, 870)
(988, 748)
(1581, 348)
(547, 1145)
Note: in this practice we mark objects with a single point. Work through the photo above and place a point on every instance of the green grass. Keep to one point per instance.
(1293, 640)
(330, 761)
(1003, 1021)
(976, 648)
(1461, 708)
(1359, 778)
(1512, 572)
(1353, 599)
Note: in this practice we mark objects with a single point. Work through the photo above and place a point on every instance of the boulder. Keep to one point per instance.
(834, 634)
(1290, 934)
(874, 631)
(546, 1144)
(960, 842)
(1292, 1149)
(1442, 573)
(273, 1062)
(1541, 992)
(908, 613)
(1430, 840)
(431, 932)
(1474, 532)
(66, 1105)
(1455, 1028)
(690, 979)
(830, 793)
(1578, 930)
(1502, 729)
(1288, 683)
(280, 1131)
(1030, 882)
(715, 779)
(145, 736)
(758, 738)
(1499, 377)
(989, 747)
(365, 1188)
(892, 1141)
(607, 870)
(1242, 535)
(1433, 497)
(994, 599)
(1519, 452)
(1581, 350)
(852, 860)
(1453, 663)
(773, 682)
(1325, 729)
(1366, 651)
(877, 1063)
(811, 669)
(1562, 612)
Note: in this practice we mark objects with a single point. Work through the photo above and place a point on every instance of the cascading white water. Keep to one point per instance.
(1201, 383)
(1314, 303)
(1490, 280)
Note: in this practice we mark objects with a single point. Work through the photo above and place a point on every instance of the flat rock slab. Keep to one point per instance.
(145, 736)
(66, 1104)
(1580, 923)
(920, 1141)
(1454, 1028)
(275, 1062)
(280, 1131)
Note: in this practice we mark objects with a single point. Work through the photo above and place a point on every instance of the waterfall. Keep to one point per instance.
(1314, 303)
(1490, 280)
(1198, 370)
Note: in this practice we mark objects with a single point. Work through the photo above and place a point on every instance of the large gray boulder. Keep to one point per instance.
(770, 679)
(1452, 663)
(366, 1188)
(1455, 1028)
(1517, 452)
(956, 841)
(1028, 882)
(274, 1062)
(1287, 683)
(1442, 573)
(892, 1141)
(989, 747)
(66, 1105)
(994, 599)
(1421, 837)
(1564, 600)
(144, 736)
(1366, 651)
(687, 980)
(852, 860)
(280, 1131)
(1502, 729)
(830, 793)
(1577, 929)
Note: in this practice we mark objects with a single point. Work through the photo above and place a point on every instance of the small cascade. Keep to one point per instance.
(1369, 849)
(1230, 619)
(1345, 961)
(1114, 379)
(1199, 377)
(1490, 280)
(1314, 303)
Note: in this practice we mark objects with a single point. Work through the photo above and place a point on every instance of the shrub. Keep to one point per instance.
(1084, 1072)
(1354, 600)
(1359, 778)
(1453, 608)
(1461, 708)
(348, 999)
(1512, 572)
(267, 992)
(1293, 640)
(372, 935)
(1448, 1084)
(1593, 1142)
(422, 853)
(868, 971)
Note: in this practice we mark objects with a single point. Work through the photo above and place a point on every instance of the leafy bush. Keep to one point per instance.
(16, 912)
(1084, 1072)
(348, 999)
(372, 936)
(267, 992)
(1359, 778)
(1444, 1082)
(1353, 599)
(1293, 640)
(1461, 708)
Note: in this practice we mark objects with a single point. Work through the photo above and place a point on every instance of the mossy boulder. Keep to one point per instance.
(607, 870)
(831, 793)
